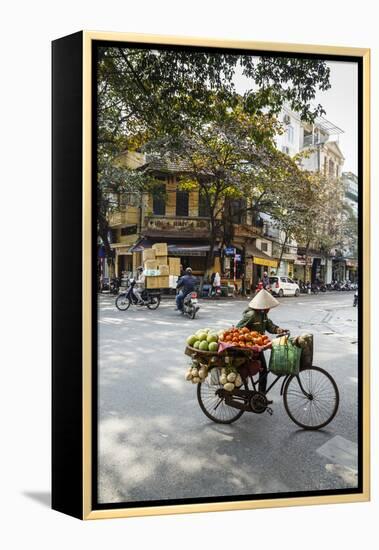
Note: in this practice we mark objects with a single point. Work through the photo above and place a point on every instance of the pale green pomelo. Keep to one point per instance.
(191, 339)
(203, 345)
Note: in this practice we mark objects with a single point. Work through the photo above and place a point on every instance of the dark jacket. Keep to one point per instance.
(187, 284)
(255, 319)
(266, 281)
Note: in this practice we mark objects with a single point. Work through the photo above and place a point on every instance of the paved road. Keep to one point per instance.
(155, 442)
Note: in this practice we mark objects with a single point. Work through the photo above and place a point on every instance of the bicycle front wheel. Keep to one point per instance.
(311, 398)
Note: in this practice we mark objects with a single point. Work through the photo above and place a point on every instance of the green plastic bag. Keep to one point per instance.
(285, 356)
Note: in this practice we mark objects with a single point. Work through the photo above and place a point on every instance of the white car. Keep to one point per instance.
(284, 286)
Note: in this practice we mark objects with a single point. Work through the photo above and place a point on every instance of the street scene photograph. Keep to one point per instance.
(227, 274)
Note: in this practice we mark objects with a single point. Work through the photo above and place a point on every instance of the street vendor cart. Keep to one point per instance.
(227, 381)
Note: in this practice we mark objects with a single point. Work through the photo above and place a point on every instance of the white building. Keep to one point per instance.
(320, 139)
(350, 182)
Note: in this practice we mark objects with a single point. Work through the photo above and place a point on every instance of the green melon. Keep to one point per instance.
(202, 336)
(213, 346)
(203, 345)
(212, 338)
(191, 339)
(196, 344)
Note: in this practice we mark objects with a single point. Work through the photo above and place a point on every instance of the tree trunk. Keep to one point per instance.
(306, 261)
(103, 230)
(282, 252)
(212, 244)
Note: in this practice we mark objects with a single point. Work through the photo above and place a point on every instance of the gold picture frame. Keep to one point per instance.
(85, 508)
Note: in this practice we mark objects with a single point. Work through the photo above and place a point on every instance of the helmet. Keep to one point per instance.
(189, 271)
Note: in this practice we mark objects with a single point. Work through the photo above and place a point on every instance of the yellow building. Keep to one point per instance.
(180, 218)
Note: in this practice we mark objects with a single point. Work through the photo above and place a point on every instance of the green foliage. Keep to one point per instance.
(145, 95)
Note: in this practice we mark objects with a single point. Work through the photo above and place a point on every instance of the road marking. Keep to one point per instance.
(349, 476)
(341, 451)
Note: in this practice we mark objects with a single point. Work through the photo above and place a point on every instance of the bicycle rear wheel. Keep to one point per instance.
(311, 398)
(212, 403)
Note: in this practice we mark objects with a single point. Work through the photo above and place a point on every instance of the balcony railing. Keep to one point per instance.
(243, 230)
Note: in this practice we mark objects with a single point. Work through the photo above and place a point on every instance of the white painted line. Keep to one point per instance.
(340, 451)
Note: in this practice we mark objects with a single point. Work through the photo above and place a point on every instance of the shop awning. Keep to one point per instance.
(176, 248)
(261, 258)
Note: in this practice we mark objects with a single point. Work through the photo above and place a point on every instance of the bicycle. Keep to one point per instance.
(310, 398)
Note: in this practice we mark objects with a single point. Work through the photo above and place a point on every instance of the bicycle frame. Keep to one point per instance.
(278, 376)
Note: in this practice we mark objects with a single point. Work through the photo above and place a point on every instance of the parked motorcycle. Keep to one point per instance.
(191, 305)
(303, 287)
(111, 286)
(346, 286)
(315, 289)
(151, 298)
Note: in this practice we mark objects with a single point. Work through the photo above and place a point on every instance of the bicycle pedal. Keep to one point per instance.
(270, 411)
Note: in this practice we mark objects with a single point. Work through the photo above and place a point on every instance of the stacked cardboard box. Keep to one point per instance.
(174, 266)
(148, 254)
(156, 259)
(160, 249)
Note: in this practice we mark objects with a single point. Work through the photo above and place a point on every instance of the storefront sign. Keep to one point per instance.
(237, 257)
(229, 251)
(268, 263)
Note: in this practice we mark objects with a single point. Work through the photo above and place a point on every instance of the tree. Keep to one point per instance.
(232, 157)
(147, 93)
(113, 182)
(320, 221)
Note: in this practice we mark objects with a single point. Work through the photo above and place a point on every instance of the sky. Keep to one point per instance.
(340, 104)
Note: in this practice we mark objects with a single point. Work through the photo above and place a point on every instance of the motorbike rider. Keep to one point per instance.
(139, 286)
(185, 285)
(266, 281)
(255, 318)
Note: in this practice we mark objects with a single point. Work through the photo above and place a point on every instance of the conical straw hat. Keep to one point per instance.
(263, 300)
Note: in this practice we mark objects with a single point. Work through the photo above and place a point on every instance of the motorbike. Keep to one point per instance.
(322, 286)
(346, 286)
(315, 289)
(190, 305)
(303, 287)
(151, 298)
(355, 302)
(111, 286)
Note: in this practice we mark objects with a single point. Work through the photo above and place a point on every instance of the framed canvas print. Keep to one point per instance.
(210, 275)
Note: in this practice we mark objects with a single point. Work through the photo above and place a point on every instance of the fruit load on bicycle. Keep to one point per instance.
(236, 352)
(207, 340)
(226, 387)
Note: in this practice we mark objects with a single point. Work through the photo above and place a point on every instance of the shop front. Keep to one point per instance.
(339, 269)
(192, 254)
(302, 268)
(352, 270)
(262, 265)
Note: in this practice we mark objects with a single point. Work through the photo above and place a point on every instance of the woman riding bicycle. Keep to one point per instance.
(255, 318)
